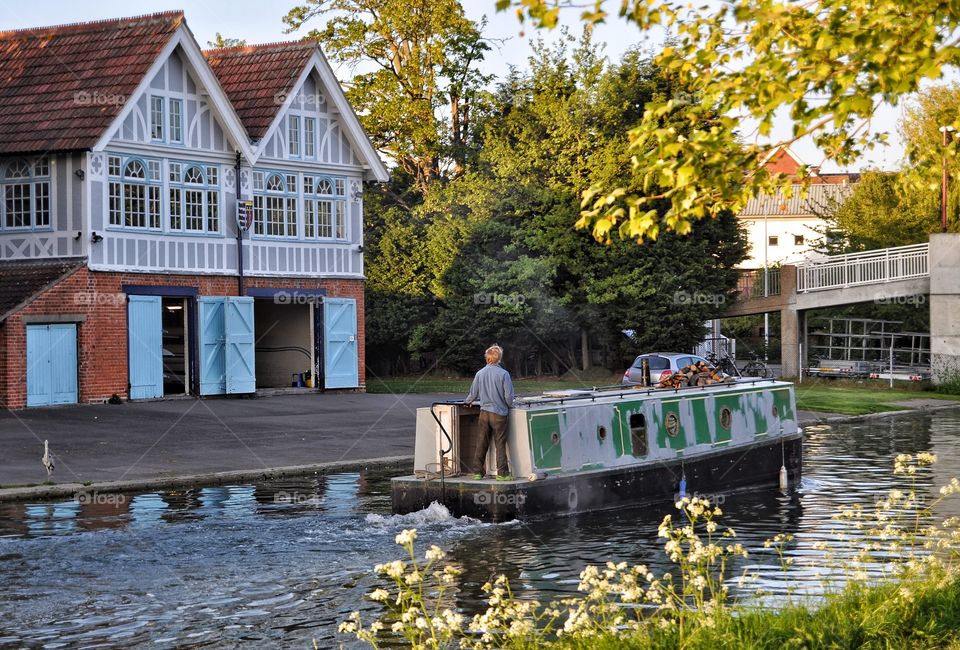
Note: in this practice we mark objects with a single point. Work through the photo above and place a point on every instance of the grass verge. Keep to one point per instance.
(922, 612)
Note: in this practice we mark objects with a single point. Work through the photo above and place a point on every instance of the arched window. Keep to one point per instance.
(275, 204)
(135, 169)
(325, 209)
(194, 198)
(133, 192)
(25, 188)
(18, 169)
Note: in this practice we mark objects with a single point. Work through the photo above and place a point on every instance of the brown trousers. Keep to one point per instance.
(493, 425)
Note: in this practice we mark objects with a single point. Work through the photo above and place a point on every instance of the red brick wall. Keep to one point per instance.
(102, 337)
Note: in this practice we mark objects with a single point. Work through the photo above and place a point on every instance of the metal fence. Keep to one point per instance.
(871, 267)
(754, 284)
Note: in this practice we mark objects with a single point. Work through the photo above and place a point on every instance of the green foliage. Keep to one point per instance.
(887, 210)
(412, 60)
(472, 240)
(950, 385)
(521, 275)
(829, 65)
(221, 42)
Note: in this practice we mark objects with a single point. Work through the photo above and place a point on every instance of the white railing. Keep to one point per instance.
(871, 267)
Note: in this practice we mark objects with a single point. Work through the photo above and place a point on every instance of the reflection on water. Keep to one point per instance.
(279, 563)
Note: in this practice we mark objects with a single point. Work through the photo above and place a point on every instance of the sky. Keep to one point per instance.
(260, 21)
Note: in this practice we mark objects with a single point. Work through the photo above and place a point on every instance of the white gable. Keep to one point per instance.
(316, 124)
(180, 104)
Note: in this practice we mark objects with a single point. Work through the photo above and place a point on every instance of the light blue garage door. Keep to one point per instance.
(51, 364)
(226, 345)
(145, 350)
(340, 352)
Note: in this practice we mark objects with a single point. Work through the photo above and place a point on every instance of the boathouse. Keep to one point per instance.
(175, 221)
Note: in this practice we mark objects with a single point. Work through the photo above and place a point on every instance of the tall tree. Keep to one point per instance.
(829, 64)
(896, 209)
(416, 75)
(520, 275)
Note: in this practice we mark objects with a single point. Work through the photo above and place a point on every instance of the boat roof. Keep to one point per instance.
(622, 392)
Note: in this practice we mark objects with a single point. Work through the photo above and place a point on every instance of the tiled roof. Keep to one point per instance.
(21, 281)
(62, 86)
(819, 197)
(257, 79)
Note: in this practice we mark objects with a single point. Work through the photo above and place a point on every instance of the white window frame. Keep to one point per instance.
(179, 190)
(116, 193)
(268, 200)
(175, 127)
(328, 198)
(157, 119)
(310, 137)
(294, 136)
(39, 185)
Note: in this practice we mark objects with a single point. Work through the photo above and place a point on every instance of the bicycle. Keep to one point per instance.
(724, 364)
(757, 368)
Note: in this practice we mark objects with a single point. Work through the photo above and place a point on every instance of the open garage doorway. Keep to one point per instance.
(285, 332)
(176, 351)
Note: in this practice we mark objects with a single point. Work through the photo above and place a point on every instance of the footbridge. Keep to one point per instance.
(878, 276)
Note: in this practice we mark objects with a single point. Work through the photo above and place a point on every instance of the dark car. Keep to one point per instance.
(662, 365)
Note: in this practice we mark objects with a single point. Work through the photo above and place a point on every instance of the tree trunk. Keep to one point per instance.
(584, 349)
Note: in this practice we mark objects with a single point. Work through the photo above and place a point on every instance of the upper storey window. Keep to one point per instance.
(25, 186)
(275, 204)
(134, 192)
(194, 198)
(156, 117)
(166, 119)
(293, 135)
(299, 206)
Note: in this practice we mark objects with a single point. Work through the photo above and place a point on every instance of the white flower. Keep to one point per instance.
(435, 553)
(407, 536)
(378, 595)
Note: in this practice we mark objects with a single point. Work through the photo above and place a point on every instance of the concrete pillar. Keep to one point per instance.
(790, 320)
(944, 306)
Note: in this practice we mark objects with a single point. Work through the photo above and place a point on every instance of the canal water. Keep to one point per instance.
(278, 564)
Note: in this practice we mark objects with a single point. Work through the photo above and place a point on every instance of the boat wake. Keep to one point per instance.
(432, 515)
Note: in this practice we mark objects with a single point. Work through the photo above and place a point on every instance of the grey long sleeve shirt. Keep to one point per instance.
(493, 388)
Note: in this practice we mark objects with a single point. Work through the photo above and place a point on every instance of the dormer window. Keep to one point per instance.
(25, 187)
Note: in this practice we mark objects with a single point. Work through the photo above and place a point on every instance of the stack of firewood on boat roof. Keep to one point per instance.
(695, 374)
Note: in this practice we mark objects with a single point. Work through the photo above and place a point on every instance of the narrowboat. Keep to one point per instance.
(581, 450)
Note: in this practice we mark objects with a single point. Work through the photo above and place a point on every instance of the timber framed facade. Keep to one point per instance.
(174, 221)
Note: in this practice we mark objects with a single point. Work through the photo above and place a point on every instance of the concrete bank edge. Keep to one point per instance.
(62, 490)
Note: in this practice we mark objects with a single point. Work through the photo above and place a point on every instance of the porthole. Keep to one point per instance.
(726, 418)
(672, 424)
(776, 411)
(555, 438)
(602, 433)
